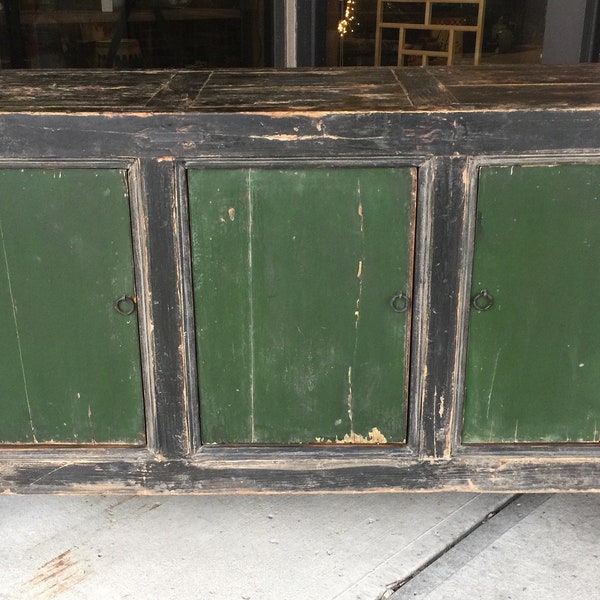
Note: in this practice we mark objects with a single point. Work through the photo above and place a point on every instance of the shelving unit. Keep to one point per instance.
(441, 35)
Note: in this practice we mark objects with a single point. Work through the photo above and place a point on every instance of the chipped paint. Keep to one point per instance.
(373, 437)
(489, 403)
(295, 138)
(359, 275)
(449, 429)
(349, 398)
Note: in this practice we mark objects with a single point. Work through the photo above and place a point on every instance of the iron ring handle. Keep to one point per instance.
(482, 301)
(399, 302)
(125, 300)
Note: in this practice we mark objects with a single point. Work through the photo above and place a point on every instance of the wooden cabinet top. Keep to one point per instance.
(356, 90)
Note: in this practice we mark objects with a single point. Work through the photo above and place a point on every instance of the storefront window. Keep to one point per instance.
(52, 34)
(435, 32)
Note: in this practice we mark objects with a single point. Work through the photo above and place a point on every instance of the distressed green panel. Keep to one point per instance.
(533, 368)
(219, 212)
(70, 369)
(309, 344)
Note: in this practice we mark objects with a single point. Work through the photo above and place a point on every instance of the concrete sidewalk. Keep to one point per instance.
(309, 547)
(539, 546)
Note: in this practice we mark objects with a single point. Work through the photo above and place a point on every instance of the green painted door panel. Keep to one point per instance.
(293, 275)
(70, 367)
(533, 366)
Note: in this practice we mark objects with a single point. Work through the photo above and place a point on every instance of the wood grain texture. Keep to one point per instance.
(532, 370)
(72, 372)
(380, 89)
(295, 270)
(304, 475)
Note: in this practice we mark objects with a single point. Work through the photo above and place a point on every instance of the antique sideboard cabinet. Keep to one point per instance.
(308, 280)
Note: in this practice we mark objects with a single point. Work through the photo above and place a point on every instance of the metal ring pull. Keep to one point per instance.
(482, 301)
(125, 305)
(399, 302)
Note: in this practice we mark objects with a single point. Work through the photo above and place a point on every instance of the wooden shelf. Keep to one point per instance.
(428, 22)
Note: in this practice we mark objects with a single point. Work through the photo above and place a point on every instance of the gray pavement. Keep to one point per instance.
(309, 547)
(540, 546)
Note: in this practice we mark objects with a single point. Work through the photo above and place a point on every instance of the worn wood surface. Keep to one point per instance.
(298, 472)
(157, 126)
(292, 295)
(65, 259)
(327, 90)
(531, 369)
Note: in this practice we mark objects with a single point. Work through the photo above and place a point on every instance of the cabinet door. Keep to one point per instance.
(70, 369)
(533, 368)
(294, 272)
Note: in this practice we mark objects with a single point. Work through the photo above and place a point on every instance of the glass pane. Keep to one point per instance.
(514, 31)
(407, 12)
(456, 14)
(510, 31)
(52, 34)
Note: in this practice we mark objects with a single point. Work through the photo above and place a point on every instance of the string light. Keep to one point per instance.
(345, 25)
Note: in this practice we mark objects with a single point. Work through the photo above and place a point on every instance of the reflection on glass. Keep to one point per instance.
(430, 32)
(148, 34)
(132, 33)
